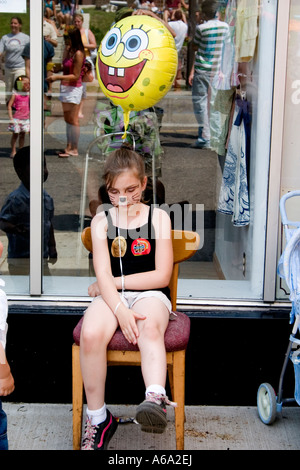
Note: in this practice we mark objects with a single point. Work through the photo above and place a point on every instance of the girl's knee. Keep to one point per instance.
(152, 331)
(92, 337)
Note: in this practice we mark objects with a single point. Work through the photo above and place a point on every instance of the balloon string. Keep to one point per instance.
(126, 123)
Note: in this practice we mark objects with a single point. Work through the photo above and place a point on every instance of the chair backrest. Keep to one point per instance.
(185, 244)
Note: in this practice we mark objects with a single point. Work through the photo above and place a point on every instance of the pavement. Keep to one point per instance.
(49, 427)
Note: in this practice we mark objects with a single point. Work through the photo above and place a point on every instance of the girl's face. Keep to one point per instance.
(26, 85)
(126, 189)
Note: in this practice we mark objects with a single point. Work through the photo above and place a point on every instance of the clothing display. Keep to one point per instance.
(246, 30)
(234, 197)
(227, 75)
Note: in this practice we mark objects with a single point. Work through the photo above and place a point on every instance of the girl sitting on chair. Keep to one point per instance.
(133, 261)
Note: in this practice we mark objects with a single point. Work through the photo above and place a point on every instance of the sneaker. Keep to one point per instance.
(97, 437)
(151, 414)
(200, 144)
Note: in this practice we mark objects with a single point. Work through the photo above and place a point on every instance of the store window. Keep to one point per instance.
(221, 192)
(290, 180)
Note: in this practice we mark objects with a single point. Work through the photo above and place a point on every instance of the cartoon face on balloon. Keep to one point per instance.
(136, 63)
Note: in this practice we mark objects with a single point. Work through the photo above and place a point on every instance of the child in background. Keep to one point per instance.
(6, 379)
(15, 219)
(19, 121)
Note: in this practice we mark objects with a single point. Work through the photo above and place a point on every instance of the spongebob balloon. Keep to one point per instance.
(136, 63)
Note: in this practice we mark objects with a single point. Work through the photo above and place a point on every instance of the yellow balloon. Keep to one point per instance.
(136, 63)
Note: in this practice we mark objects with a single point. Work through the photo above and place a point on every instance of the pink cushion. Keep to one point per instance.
(176, 336)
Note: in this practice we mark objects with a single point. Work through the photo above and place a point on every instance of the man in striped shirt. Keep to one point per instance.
(208, 43)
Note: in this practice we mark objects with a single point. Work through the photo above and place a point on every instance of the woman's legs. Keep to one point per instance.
(71, 112)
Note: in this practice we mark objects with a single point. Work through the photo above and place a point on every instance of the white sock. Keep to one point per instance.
(155, 388)
(97, 416)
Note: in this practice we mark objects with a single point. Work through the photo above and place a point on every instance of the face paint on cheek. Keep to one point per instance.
(136, 197)
(113, 199)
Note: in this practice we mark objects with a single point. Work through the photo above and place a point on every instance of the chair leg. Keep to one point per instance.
(179, 389)
(171, 382)
(77, 397)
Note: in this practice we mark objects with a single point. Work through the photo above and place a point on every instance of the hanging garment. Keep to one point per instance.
(227, 75)
(234, 197)
(246, 30)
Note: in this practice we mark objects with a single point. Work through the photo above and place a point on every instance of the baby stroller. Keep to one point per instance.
(268, 403)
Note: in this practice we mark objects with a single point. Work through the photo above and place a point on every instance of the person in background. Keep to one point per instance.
(48, 55)
(19, 119)
(66, 13)
(208, 43)
(49, 9)
(12, 46)
(90, 51)
(71, 89)
(180, 27)
(15, 219)
(171, 6)
(7, 383)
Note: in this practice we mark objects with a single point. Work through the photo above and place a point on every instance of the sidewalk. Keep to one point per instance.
(49, 427)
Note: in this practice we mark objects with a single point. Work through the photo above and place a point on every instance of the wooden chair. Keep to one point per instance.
(120, 352)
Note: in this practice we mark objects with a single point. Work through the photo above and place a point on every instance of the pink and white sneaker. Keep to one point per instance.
(98, 437)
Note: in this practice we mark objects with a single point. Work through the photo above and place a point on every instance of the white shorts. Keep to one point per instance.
(129, 298)
(19, 125)
(70, 94)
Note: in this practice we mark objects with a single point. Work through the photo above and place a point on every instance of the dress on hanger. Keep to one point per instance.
(234, 196)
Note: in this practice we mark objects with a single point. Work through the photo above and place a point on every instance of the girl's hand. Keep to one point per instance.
(93, 290)
(127, 321)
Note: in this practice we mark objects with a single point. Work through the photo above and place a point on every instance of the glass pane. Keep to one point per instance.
(290, 179)
(232, 189)
(14, 181)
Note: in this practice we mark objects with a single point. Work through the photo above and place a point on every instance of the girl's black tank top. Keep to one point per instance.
(137, 248)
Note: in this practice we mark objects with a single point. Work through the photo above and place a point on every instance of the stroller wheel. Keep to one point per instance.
(266, 403)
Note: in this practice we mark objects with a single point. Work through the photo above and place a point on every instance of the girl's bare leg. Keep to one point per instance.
(98, 327)
(21, 139)
(14, 139)
(71, 112)
(151, 340)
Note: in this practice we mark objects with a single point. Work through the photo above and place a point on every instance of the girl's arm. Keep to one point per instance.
(126, 317)
(9, 106)
(160, 277)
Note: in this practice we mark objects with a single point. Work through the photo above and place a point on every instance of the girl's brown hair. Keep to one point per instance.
(120, 160)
